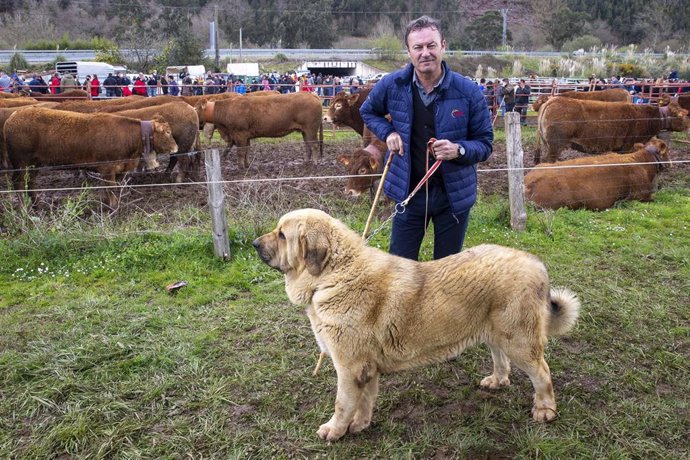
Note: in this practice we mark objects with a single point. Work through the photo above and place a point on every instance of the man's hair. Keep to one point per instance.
(424, 22)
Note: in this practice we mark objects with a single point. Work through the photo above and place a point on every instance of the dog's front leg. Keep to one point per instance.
(365, 407)
(347, 400)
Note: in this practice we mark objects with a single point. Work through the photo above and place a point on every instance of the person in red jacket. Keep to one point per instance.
(54, 84)
(95, 86)
(140, 86)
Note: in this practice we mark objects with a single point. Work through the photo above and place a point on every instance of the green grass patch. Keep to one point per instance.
(98, 360)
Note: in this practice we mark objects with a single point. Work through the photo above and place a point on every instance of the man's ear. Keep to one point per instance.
(316, 250)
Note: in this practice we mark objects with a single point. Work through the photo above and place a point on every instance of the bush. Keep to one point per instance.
(18, 62)
(584, 42)
(628, 69)
(387, 47)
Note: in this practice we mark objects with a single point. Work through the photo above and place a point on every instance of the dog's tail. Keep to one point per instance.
(565, 307)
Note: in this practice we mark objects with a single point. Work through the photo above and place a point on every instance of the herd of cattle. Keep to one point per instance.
(599, 122)
(113, 137)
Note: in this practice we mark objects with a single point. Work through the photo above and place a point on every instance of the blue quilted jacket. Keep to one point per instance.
(461, 117)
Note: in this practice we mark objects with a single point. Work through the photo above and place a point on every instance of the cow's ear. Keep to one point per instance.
(353, 99)
(638, 146)
(373, 163)
(345, 159)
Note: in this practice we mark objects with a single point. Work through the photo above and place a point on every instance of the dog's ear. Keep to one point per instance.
(315, 249)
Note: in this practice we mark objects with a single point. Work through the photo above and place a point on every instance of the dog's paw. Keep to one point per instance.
(544, 414)
(493, 383)
(328, 432)
(358, 425)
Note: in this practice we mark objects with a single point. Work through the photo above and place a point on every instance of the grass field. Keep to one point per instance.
(97, 360)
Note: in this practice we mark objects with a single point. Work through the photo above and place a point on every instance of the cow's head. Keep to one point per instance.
(339, 110)
(541, 100)
(359, 163)
(659, 151)
(163, 141)
(678, 117)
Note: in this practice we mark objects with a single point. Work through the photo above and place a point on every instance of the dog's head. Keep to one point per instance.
(301, 241)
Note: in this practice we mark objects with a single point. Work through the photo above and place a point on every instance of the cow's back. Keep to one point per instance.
(46, 137)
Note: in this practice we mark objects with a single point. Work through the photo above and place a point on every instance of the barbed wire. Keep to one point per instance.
(329, 177)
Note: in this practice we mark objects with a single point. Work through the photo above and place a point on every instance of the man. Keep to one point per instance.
(38, 84)
(427, 100)
(507, 92)
(5, 82)
(522, 100)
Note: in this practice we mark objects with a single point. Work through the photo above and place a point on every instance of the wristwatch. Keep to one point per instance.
(461, 151)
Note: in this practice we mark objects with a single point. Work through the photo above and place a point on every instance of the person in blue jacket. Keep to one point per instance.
(427, 100)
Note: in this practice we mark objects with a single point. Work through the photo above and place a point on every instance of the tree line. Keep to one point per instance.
(531, 24)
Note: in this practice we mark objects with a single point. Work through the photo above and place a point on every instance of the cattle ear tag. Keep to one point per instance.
(373, 163)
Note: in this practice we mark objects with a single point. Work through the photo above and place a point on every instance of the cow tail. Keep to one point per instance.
(5, 157)
(564, 310)
(321, 139)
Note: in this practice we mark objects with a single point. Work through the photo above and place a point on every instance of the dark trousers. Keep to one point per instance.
(409, 227)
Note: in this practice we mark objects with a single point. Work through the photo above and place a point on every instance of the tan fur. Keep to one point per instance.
(597, 127)
(612, 177)
(108, 144)
(376, 313)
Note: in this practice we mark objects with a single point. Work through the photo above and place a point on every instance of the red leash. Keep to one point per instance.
(429, 172)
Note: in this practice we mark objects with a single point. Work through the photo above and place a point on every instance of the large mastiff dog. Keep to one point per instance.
(376, 313)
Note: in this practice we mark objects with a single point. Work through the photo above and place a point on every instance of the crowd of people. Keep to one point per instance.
(153, 84)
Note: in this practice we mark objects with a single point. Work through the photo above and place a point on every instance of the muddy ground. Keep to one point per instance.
(303, 183)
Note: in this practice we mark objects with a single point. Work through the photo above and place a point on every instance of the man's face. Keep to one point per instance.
(425, 49)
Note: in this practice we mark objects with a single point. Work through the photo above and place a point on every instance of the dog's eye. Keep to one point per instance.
(281, 235)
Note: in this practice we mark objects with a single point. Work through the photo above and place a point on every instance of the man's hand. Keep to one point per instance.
(394, 143)
(445, 150)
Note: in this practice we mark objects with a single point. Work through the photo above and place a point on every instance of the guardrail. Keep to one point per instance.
(40, 56)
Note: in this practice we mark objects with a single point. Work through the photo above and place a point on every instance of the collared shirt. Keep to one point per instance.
(428, 98)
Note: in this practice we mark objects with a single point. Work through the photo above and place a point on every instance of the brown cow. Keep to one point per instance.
(184, 124)
(344, 110)
(597, 127)
(4, 115)
(597, 183)
(108, 144)
(684, 101)
(72, 95)
(363, 162)
(17, 102)
(606, 95)
(244, 118)
(96, 105)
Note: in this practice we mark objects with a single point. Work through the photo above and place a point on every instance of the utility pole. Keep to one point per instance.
(215, 31)
(504, 37)
(241, 44)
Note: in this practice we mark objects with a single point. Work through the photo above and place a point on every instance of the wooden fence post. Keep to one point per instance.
(514, 152)
(216, 202)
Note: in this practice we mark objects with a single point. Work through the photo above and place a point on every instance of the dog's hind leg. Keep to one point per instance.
(365, 407)
(501, 369)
